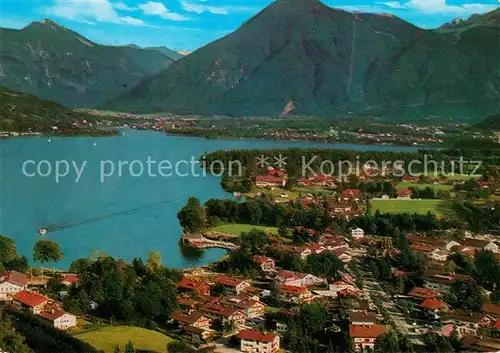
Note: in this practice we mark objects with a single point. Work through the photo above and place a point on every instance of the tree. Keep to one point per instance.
(192, 216)
(393, 342)
(47, 251)
(10, 339)
(129, 348)
(8, 250)
(154, 260)
(466, 295)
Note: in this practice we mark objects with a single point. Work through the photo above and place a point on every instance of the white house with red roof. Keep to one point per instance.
(197, 287)
(255, 341)
(266, 264)
(194, 319)
(227, 315)
(70, 280)
(352, 194)
(338, 286)
(265, 181)
(404, 194)
(357, 233)
(433, 307)
(12, 282)
(294, 294)
(298, 279)
(364, 336)
(59, 319)
(232, 284)
(33, 301)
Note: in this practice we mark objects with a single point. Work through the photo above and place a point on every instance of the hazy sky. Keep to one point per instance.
(189, 24)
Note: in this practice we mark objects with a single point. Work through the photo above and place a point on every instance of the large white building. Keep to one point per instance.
(254, 341)
(59, 319)
(12, 282)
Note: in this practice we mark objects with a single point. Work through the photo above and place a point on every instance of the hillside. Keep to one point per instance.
(56, 63)
(311, 59)
(23, 112)
(490, 123)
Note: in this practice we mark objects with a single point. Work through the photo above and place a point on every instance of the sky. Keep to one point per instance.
(190, 24)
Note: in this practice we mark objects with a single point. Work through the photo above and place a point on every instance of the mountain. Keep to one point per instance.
(320, 60)
(490, 18)
(56, 63)
(490, 123)
(172, 54)
(25, 112)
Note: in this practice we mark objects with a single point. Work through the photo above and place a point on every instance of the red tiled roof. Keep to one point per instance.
(268, 179)
(72, 279)
(422, 247)
(497, 325)
(366, 331)
(187, 283)
(404, 192)
(259, 260)
(217, 309)
(490, 308)
(14, 277)
(351, 193)
(431, 304)
(30, 299)
(292, 289)
(53, 315)
(250, 335)
(347, 292)
(228, 281)
(180, 316)
(425, 293)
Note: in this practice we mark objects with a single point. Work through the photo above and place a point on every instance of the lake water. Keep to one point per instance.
(125, 216)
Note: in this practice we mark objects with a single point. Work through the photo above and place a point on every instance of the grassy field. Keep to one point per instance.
(236, 228)
(106, 338)
(437, 187)
(276, 193)
(439, 207)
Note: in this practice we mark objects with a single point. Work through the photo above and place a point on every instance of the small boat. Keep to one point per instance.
(42, 231)
(48, 140)
(95, 144)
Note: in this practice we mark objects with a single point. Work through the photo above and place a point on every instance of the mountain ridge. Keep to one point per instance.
(56, 63)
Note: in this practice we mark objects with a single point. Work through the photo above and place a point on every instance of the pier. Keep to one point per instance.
(198, 241)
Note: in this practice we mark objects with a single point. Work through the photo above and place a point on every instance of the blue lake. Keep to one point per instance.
(127, 216)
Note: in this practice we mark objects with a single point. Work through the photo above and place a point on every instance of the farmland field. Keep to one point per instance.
(439, 207)
(106, 338)
(236, 228)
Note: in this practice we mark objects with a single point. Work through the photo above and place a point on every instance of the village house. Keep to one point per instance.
(229, 316)
(337, 286)
(266, 264)
(435, 242)
(357, 233)
(409, 179)
(491, 309)
(316, 248)
(468, 323)
(404, 194)
(419, 293)
(32, 301)
(294, 295)
(255, 341)
(334, 242)
(298, 279)
(194, 319)
(362, 318)
(302, 251)
(251, 308)
(197, 335)
(232, 284)
(70, 280)
(269, 181)
(480, 344)
(12, 282)
(364, 336)
(342, 254)
(59, 319)
(433, 307)
(191, 286)
(442, 281)
(352, 194)
(480, 244)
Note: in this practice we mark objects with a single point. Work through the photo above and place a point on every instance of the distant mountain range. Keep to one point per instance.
(56, 63)
(302, 57)
(172, 54)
